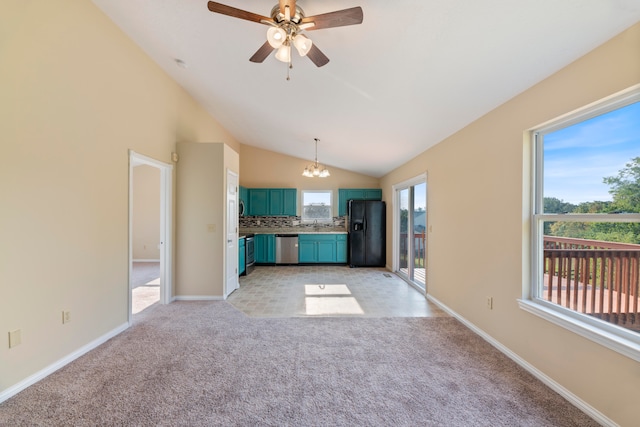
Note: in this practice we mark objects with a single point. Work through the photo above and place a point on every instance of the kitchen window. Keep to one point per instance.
(316, 206)
(585, 252)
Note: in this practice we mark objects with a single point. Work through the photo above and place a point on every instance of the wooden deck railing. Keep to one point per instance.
(598, 278)
(419, 248)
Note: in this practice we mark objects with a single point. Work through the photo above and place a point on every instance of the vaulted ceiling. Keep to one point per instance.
(413, 73)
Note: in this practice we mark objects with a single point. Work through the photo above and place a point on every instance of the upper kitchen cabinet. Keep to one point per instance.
(258, 201)
(346, 194)
(244, 199)
(272, 201)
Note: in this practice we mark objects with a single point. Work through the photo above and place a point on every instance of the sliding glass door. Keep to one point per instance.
(411, 202)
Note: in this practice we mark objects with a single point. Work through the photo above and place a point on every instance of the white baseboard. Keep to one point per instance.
(572, 398)
(198, 298)
(145, 260)
(17, 388)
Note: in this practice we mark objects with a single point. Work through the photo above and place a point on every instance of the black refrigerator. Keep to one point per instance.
(367, 233)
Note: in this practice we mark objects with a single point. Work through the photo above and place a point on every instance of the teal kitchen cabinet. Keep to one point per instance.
(244, 199)
(258, 201)
(289, 201)
(265, 248)
(272, 201)
(241, 256)
(322, 248)
(306, 250)
(346, 194)
(283, 201)
(341, 248)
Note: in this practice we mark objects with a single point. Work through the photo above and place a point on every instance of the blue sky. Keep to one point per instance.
(577, 158)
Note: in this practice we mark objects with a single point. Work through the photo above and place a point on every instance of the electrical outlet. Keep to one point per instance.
(211, 228)
(490, 303)
(15, 338)
(66, 316)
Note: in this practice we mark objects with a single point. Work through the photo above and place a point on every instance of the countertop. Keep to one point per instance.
(293, 230)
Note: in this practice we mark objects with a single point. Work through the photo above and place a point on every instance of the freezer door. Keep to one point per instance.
(357, 253)
(375, 233)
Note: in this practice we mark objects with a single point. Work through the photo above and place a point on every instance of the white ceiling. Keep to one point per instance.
(413, 73)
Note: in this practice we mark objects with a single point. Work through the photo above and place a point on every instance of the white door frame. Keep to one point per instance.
(231, 231)
(420, 179)
(166, 221)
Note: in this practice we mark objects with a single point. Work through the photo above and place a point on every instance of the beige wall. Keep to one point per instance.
(77, 94)
(201, 218)
(261, 168)
(146, 213)
(475, 206)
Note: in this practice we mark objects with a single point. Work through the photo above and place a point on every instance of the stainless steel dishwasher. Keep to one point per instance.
(286, 248)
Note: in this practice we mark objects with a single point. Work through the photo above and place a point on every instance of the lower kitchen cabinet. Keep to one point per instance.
(265, 248)
(341, 248)
(322, 248)
(241, 256)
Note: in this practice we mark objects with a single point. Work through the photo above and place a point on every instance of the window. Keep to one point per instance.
(316, 206)
(586, 222)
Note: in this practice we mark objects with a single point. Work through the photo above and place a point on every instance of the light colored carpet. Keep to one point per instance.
(208, 364)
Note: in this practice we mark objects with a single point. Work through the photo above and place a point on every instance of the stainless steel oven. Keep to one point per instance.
(250, 258)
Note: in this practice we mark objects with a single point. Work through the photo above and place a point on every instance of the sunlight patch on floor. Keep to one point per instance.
(322, 299)
(144, 297)
(315, 306)
(326, 290)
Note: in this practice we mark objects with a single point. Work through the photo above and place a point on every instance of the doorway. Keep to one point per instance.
(410, 231)
(150, 247)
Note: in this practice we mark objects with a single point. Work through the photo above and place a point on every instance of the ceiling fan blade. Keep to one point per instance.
(317, 57)
(237, 13)
(262, 53)
(339, 18)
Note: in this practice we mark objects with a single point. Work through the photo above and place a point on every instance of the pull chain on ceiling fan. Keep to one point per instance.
(287, 22)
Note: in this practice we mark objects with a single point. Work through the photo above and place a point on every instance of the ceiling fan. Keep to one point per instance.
(286, 23)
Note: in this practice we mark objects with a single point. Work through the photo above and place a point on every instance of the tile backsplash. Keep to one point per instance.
(288, 222)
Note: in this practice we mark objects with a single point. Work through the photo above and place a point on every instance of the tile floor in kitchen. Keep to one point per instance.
(286, 291)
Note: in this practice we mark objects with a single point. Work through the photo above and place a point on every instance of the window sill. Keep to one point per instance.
(618, 342)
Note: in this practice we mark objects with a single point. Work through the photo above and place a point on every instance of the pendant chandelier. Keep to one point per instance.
(316, 169)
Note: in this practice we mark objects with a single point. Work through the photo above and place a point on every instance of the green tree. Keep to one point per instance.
(592, 207)
(625, 187)
(625, 191)
(555, 205)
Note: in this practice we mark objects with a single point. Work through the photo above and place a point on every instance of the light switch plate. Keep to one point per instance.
(15, 338)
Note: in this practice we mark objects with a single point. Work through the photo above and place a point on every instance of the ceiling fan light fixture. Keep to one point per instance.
(302, 44)
(284, 53)
(276, 36)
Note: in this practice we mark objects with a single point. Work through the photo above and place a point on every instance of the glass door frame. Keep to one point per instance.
(397, 188)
